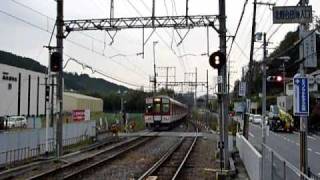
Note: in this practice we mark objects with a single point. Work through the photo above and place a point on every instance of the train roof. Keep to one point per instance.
(171, 99)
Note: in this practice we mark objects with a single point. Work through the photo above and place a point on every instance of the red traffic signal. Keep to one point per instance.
(217, 60)
(274, 78)
(55, 62)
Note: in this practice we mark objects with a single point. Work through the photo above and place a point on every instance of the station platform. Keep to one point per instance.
(162, 134)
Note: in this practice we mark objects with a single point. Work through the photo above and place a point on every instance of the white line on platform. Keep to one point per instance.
(309, 149)
(251, 134)
(318, 153)
(297, 144)
(312, 138)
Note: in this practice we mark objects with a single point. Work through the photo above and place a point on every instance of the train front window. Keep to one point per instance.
(157, 107)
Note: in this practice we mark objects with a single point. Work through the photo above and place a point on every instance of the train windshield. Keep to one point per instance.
(157, 105)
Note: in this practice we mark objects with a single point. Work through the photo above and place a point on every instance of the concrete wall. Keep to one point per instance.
(251, 158)
(36, 138)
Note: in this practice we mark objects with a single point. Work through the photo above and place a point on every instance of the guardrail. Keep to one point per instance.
(275, 167)
(270, 166)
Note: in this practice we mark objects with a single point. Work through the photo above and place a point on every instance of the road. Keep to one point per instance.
(288, 146)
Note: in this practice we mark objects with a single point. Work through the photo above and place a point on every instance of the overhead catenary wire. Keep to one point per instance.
(80, 45)
(94, 70)
(42, 29)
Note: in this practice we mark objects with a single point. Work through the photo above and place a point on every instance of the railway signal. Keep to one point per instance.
(275, 79)
(55, 62)
(217, 60)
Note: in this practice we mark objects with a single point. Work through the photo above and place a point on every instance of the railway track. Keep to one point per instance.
(169, 166)
(78, 168)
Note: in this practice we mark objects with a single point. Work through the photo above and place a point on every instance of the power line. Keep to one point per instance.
(78, 44)
(94, 70)
(36, 26)
(172, 36)
(239, 23)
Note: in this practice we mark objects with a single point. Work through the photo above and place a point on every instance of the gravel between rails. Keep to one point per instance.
(202, 157)
(135, 163)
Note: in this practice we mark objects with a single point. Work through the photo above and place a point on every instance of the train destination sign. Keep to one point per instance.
(292, 14)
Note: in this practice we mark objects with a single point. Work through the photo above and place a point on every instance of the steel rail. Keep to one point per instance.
(166, 156)
(63, 168)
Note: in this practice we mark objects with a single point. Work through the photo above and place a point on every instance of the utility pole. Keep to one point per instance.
(303, 119)
(111, 9)
(195, 89)
(224, 104)
(60, 36)
(264, 88)
(154, 68)
(207, 99)
(246, 121)
(167, 77)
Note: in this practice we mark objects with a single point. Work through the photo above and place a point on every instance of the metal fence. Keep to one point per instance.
(25, 145)
(19, 155)
(275, 167)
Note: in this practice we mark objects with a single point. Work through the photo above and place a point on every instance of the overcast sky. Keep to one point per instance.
(25, 39)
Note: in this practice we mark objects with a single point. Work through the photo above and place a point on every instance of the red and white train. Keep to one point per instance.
(163, 112)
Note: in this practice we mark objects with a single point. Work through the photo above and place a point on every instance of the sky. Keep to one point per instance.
(26, 26)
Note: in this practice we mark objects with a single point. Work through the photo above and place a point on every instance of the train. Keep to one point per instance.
(163, 112)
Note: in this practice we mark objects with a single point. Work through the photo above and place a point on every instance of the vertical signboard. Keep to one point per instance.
(301, 96)
(242, 89)
(308, 48)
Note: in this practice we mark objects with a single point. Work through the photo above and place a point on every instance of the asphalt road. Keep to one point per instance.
(288, 146)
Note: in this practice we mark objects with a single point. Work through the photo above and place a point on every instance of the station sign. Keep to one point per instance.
(292, 14)
(301, 96)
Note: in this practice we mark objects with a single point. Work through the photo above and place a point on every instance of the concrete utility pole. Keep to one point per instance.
(303, 119)
(60, 36)
(195, 89)
(246, 121)
(264, 88)
(224, 104)
(154, 68)
(207, 97)
(167, 77)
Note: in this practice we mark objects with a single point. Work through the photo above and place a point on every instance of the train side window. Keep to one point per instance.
(165, 107)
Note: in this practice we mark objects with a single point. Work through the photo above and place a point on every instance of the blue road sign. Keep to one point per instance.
(301, 96)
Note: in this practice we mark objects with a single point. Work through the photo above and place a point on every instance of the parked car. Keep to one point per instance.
(251, 117)
(257, 119)
(16, 121)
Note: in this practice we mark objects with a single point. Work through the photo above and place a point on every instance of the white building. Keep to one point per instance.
(314, 81)
(22, 91)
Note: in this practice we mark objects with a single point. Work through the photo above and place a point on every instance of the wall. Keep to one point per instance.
(9, 97)
(251, 158)
(32, 139)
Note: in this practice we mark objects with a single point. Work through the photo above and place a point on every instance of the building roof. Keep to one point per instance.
(80, 96)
